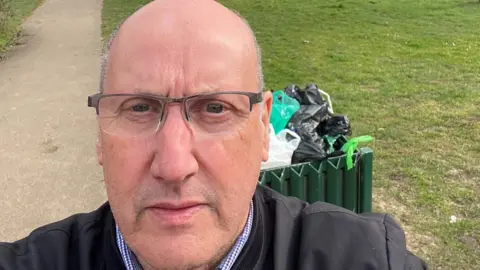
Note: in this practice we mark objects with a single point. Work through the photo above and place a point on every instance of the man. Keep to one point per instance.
(183, 130)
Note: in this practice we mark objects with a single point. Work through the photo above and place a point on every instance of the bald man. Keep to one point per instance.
(183, 129)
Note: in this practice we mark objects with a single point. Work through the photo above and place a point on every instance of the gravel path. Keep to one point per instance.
(48, 167)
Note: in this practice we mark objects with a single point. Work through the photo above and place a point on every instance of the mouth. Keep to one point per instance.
(175, 214)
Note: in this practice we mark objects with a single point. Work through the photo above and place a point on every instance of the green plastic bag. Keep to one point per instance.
(350, 146)
(283, 108)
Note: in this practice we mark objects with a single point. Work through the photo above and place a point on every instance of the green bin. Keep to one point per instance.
(327, 181)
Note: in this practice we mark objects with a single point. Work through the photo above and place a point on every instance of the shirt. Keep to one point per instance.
(131, 263)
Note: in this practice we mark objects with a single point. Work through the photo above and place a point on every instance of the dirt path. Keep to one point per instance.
(48, 167)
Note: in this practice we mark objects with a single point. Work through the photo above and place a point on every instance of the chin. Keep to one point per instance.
(182, 243)
(177, 252)
(175, 227)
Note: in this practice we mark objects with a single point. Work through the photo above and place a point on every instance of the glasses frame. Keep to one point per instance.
(94, 100)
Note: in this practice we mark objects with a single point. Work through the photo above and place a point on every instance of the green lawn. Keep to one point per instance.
(406, 72)
(12, 13)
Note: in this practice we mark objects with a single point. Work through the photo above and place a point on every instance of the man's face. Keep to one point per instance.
(180, 199)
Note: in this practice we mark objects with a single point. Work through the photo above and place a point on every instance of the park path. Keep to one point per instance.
(48, 167)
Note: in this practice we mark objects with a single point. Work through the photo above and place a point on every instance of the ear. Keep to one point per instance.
(100, 150)
(266, 111)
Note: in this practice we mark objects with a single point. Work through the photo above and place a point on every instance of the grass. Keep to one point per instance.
(12, 13)
(115, 11)
(406, 72)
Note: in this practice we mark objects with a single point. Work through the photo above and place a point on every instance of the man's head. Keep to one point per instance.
(180, 174)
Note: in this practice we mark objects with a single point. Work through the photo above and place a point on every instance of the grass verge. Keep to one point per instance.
(12, 13)
(115, 11)
(406, 72)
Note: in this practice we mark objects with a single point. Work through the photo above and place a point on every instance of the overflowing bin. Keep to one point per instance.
(327, 165)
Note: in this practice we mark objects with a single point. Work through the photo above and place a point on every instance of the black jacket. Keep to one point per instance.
(287, 234)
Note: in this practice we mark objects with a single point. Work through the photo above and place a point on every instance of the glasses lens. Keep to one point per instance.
(218, 114)
(129, 115)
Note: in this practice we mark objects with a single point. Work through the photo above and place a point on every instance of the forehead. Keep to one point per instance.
(179, 65)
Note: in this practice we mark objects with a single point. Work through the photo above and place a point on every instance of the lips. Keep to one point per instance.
(174, 214)
(175, 205)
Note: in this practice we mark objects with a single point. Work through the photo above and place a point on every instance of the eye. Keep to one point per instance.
(214, 108)
(140, 107)
(208, 107)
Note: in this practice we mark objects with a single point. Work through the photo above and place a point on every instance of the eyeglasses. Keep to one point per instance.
(133, 115)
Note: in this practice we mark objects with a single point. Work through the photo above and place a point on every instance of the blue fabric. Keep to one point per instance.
(131, 263)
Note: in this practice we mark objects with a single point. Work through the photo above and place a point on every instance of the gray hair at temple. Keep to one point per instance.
(106, 50)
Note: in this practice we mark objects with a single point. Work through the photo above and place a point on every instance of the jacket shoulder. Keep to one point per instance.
(371, 239)
(48, 247)
(326, 236)
(290, 207)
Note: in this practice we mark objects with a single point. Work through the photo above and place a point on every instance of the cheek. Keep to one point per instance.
(126, 155)
(229, 158)
(125, 165)
(234, 163)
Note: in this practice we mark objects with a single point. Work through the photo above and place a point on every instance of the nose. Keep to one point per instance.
(174, 161)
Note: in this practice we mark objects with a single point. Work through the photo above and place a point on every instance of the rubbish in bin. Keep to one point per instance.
(283, 108)
(350, 146)
(306, 120)
(281, 148)
(311, 96)
(309, 151)
(334, 126)
(334, 143)
(293, 91)
(313, 110)
(308, 112)
(340, 142)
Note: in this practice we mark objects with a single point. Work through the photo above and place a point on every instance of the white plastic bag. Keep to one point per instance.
(281, 150)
